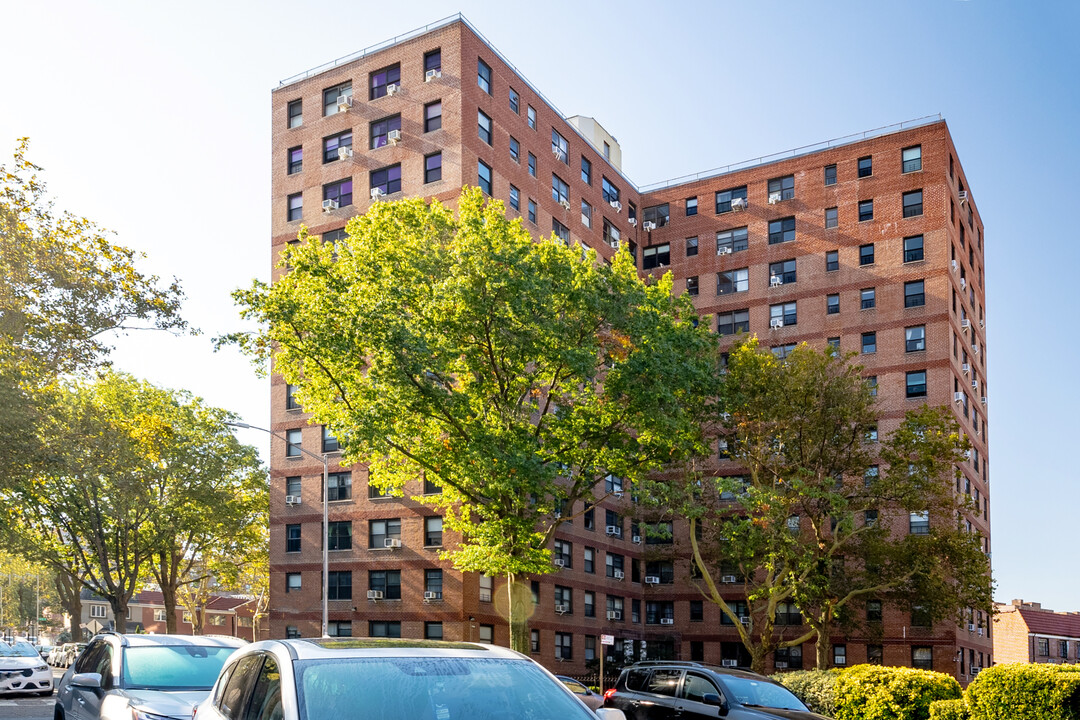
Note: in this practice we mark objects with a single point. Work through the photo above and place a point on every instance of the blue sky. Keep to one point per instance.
(153, 119)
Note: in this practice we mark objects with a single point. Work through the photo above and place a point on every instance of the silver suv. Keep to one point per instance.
(142, 677)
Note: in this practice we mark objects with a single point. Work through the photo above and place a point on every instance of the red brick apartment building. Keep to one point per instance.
(224, 615)
(1026, 632)
(872, 243)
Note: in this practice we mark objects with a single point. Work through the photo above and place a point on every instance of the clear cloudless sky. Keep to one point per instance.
(153, 118)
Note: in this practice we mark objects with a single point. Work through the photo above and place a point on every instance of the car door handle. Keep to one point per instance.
(81, 699)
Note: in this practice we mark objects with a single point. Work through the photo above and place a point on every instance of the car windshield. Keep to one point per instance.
(441, 688)
(19, 649)
(761, 693)
(173, 667)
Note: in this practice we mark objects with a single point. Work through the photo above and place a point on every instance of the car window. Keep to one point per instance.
(103, 665)
(174, 667)
(695, 687)
(90, 658)
(636, 679)
(236, 691)
(762, 693)
(664, 681)
(265, 703)
(576, 687)
(222, 681)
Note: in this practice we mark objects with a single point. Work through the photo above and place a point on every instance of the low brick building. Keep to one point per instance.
(225, 615)
(1026, 632)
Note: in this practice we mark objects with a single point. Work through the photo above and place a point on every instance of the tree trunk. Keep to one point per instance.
(518, 617)
(757, 659)
(198, 619)
(822, 645)
(68, 588)
(168, 596)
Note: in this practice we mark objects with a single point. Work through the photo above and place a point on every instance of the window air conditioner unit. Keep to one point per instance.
(613, 530)
(292, 499)
(559, 562)
(615, 204)
(982, 323)
(376, 193)
(963, 196)
(723, 251)
(971, 627)
(557, 152)
(432, 74)
(562, 609)
(614, 615)
(652, 580)
(776, 323)
(394, 136)
(954, 265)
(965, 368)
(344, 102)
(738, 204)
(963, 283)
(618, 494)
(980, 631)
(431, 595)
(667, 621)
(744, 619)
(619, 574)
(648, 226)
(636, 540)
(565, 204)
(974, 384)
(344, 153)
(780, 665)
(729, 663)
(965, 323)
(392, 89)
(958, 397)
(391, 543)
(775, 198)
(329, 206)
(975, 349)
(374, 594)
(775, 281)
(728, 579)
(633, 222)
(983, 398)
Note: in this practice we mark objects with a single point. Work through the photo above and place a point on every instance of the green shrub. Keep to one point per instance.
(1025, 692)
(949, 710)
(873, 692)
(813, 687)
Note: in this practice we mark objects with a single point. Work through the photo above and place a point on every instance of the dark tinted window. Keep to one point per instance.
(636, 679)
(664, 681)
(695, 687)
(265, 701)
(232, 700)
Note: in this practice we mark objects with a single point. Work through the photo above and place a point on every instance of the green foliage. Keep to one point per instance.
(816, 688)
(873, 692)
(950, 710)
(1025, 692)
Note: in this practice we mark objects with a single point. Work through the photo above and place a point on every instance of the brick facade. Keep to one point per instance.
(1025, 632)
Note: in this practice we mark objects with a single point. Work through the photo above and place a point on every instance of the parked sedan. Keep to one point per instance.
(389, 680)
(587, 696)
(23, 670)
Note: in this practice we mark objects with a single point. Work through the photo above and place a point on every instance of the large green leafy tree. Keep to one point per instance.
(512, 373)
(819, 515)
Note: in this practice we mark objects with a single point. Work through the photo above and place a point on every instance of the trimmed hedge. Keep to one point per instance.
(813, 687)
(1025, 692)
(949, 710)
(874, 692)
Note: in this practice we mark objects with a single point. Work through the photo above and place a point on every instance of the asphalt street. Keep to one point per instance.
(29, 707)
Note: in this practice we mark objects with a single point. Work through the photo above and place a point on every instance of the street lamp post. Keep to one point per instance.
(324, 459)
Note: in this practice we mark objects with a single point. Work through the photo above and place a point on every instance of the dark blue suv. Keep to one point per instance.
(688, 690)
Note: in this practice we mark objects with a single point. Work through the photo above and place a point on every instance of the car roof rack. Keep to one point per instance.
(123, 638)
(684, 663)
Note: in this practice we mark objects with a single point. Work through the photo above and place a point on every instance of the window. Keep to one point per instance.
(867, 299)
(431, 488)
(332, 95)
(532, 211)
(532, 164)
(483, 177)
(433, 631)
(611, 234)
(733, 281)
(784, 270)
(515, 101)
(913, 248)
(291, 632)
(564, 596)
(691, 246)
(381, 79)
(731, 241)
(384, 628)
(871, 382)
(433, 578)
(483, 123)
(830, 174)
(659, 215)
(387, 179)
(561, 231)
(914, 295)
(915, 338)
(564, 649)
(487, 634)
(590, 648)
(290, 397)
(293, 582)
(432, 531)
(292, 538)
(515, 198)
(329, 442)
(339, 486)
(607, 150)
(159, 616)
(697, 611)
(781, 231)
(655, 611)
(733, 322)
(839, 655)
(531, 114)
(293, 442)
(433, 167)
(433, 116)
(783, 315)
(875, 654)
(833, 346)
(869, 342)
(560, 191)
(432, 61)
(866, 166)
(790, 658)
(586, 171)
(534, 641)
(832, 260)
(872, 434)
(296, 113)
(866, 254)
(1063, 648)
(913, 203)
(691, 206)
(515, 149)
(559, 147)
(340, 535)
(295, 209)
(379, 531)
(656, 256)
(590, 604)
(832, 304)
(296, 160)
(340, 192)
(724, 199)
(873, 611)
(339, 585)
(922, 657)
(609, 192)
(380, 131)
(782, 186)
(866, 210)
(916, 384)
(615, 606)
(832, 217)
(483, 75)
(911, 158)
(590, 560)
(388, 582)
(692, 285)
(919, 522)
(614, 564)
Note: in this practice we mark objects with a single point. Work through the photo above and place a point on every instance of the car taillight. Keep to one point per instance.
(609, 693)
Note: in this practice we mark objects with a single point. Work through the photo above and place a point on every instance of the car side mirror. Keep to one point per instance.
(609, 714)
(87, 680)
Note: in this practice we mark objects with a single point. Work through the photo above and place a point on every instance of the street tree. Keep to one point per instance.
(513, 374)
